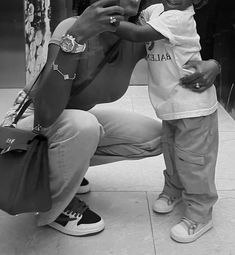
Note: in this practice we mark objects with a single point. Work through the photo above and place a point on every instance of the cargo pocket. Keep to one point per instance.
(190, 157)
(193, 172)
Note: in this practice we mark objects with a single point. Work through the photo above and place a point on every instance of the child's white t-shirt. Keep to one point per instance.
(166, 58)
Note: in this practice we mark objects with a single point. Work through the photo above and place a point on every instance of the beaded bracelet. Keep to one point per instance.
(65, 76)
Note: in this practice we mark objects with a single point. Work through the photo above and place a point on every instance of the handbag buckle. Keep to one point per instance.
(9, 143)
(37, 128)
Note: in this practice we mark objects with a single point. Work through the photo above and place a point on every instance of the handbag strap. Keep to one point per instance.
(22, 110)
(25, 104)
(108, 56)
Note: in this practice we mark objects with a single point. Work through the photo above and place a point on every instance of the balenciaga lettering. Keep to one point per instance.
(158, 57)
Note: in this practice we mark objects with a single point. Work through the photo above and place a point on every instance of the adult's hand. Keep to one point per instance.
(101, 16)
(203, 77)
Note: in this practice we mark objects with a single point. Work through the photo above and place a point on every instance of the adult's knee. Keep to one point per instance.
(76, 124)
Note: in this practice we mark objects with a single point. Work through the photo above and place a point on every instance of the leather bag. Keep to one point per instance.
(24, 171)
(24, 167)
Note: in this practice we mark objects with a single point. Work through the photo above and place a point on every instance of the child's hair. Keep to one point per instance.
(200, 4)
(134, 19)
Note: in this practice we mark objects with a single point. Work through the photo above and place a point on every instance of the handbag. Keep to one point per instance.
(24, 168)
(24, 171)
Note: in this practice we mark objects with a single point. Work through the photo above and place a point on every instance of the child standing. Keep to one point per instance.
(189, 119)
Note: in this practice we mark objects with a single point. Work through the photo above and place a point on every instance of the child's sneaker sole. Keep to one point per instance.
(178, 234)
(162, 206)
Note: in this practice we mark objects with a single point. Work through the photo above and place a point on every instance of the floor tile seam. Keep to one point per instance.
(228, 140)
(226, 132)
(151, 222)
(225, 198)
(148, 191)
(226, 113)
(225, 178)
(225, 190)
(126, 191)
(132, 104)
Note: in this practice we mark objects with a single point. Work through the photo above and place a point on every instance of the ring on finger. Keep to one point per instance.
(112, 20)
(197, 85)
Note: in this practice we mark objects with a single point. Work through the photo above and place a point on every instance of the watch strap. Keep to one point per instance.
(78, 47)
(109, 54)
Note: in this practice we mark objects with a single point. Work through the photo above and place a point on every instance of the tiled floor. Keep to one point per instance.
(122, 193)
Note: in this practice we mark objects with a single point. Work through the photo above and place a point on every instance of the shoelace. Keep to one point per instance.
(76, 207)
(191, 225)
(169, 200)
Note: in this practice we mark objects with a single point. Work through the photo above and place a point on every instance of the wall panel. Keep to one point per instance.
(12, 44)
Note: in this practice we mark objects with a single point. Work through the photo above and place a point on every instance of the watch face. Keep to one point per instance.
(67, 44)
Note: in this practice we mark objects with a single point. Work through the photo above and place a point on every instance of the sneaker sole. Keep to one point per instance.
(193, 237)
(166, 211)
(98, 227)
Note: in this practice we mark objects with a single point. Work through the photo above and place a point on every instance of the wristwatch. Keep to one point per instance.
(68, 44)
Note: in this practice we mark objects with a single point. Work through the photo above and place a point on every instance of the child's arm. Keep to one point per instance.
(138, 33)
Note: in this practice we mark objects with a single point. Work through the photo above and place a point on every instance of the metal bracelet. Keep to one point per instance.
(65, 76)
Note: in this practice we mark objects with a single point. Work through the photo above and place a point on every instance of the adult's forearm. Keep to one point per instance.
(204, 75)
(53, 92)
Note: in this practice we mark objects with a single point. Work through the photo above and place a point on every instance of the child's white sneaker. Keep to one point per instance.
(165, 203)
(187, 231)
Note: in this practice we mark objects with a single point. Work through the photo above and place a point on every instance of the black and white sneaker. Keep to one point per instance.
(84, 187)
(78, 220)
